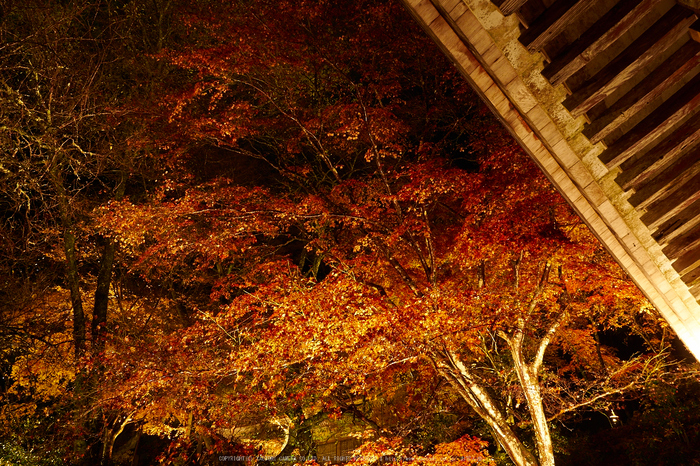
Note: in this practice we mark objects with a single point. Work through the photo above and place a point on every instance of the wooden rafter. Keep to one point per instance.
(608, 29)
(670, 73)
(662, 35)
(685, 103)
(632, 169)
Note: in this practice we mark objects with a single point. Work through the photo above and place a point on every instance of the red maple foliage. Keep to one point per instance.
(365, 250)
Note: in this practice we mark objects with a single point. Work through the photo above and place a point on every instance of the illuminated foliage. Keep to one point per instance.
(366, 252)
(333, 228)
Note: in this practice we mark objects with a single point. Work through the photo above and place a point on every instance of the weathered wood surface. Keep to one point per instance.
(695, 30)
(486, 65)
(508, 7)
(530, 11)
(684, 103)
(663, 209)
(664, 33)
(654, 86)
(638, 170)
(695, 291)
(552, 23)
(667, 181)
(679, 224)
(690, 274)
(597, 38)
(683, 244)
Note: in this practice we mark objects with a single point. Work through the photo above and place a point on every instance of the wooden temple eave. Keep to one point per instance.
(604, 95)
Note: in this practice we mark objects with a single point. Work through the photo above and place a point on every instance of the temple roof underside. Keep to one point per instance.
(604, 95)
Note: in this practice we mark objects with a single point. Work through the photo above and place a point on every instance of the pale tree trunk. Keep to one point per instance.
(474, 393)
(450, 366)
(110, 437)
(528, 373)
(528, 377)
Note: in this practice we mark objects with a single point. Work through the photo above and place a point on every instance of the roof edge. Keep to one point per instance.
(468, 44)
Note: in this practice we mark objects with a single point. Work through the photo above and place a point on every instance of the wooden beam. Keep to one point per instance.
(552, 23)
(694, 30)
(685, 103)
(688, 262)
(691, 277)
(679, 224)
(688, 266)
(646, 266)
(695, 291)
(667, 181)
(664, 33)
(665, 208)
(665, 76)
(508, 7)
(597, 38)
(683, 244)
(530, 11)
(638, 169)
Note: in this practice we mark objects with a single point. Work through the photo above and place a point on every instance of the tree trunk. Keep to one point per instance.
(452, 368)
(72, 278)
(104, 279)
(110, 437)
(74, 286)
(528, 373)
(135, 457)
(531, 388)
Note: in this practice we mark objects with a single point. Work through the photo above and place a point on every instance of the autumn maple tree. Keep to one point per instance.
(66, 83)
(366, 250)
(311, 217)
(428, 270)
